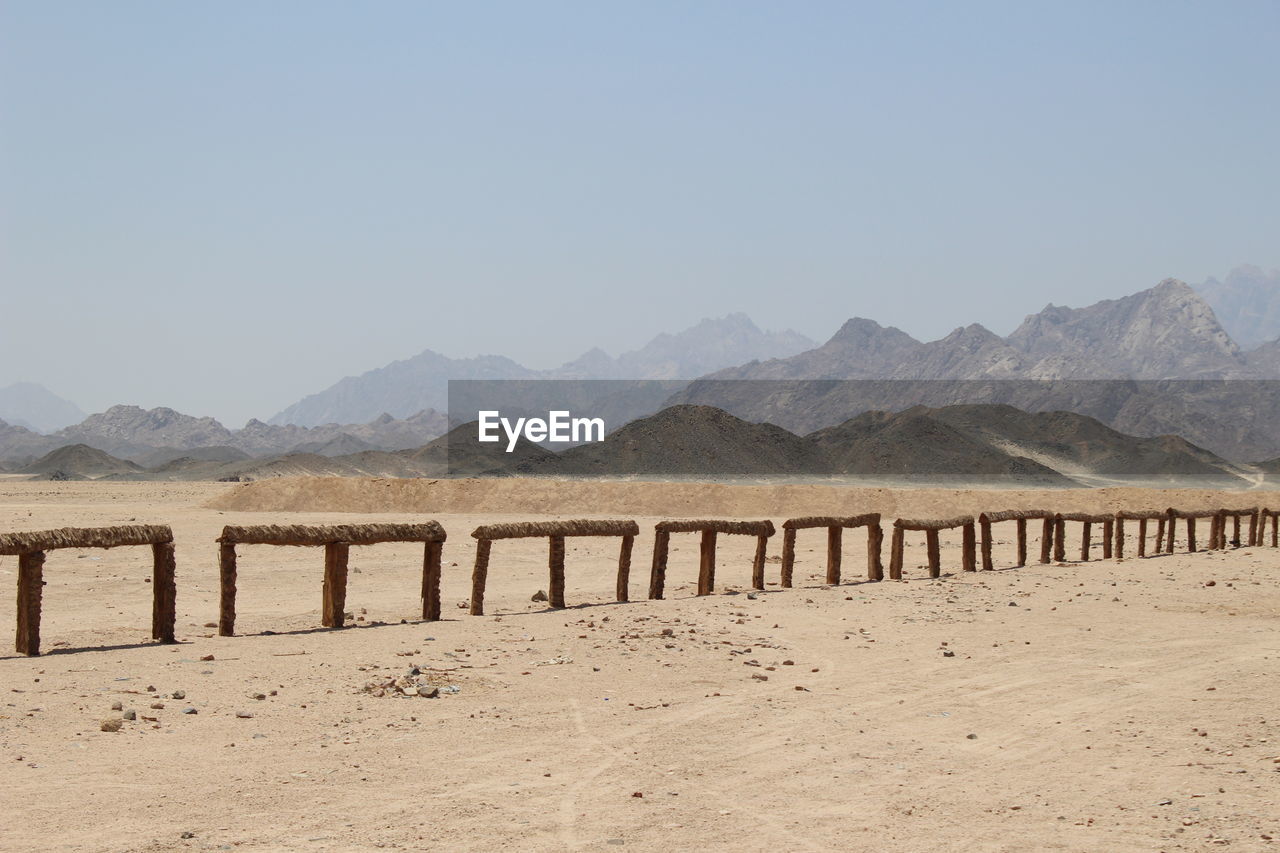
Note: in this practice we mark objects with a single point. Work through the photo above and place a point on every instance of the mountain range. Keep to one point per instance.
(1167, 332)
(156, 436)
(974, 444)
(421, 382)
(1247, 303)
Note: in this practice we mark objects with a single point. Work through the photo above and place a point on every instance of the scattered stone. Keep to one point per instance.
(111, 724)
(244, 715)
(540, 595)
(971, 736)
(207, 657)
(947, 653)
(131, 714)
(117, 705)
(638, 794)
(190, 711)
(157, 706)
(178, 694)
(258, 696)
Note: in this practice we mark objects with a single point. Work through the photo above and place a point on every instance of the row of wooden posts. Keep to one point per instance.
(976, 538)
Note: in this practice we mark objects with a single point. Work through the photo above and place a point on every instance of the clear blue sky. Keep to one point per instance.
(223, 206)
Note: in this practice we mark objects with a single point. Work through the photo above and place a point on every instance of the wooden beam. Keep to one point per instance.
(623, 591)
(555, 563)
(707, 563)
(835, 539)
(227, 589)
(788, 556)
(758, 562)
(30, 592)
(431, 560)
(479, 576)
(334, 589)
(164, 592)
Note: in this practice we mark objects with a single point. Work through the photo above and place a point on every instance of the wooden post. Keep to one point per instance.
(334, 589)
(1253, 529)
(1059, 539)
(707, 563)
(835, 538)
(935, 557)
(164, 592)
(1159, 543)
(227, 589)
(479, 575)
(875, 536)
(1235, 531)
(1169, 533)
(757, 563)
(658, 571)
(1022, 541)
(895, 555)
(1142, 537)
(1108, 531)
(1275, 531)
(788, 556)
(624, 569)
(1046, 540)
(1191, 536)
(968, 558)
(1119, 538)
(1086, 540)
(555, 562)
(431, 581)
(30, 592)
(986, 544)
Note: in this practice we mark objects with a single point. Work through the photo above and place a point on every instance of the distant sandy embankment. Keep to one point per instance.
(567, 497)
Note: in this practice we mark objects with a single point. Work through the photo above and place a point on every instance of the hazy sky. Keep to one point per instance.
(221, 207)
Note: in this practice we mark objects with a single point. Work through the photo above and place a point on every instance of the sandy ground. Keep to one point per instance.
(1101, 706)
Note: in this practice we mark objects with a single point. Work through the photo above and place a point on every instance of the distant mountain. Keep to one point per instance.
(20, 445)
(460, 453)
(1165, 332)
(421, 382)
(1247, 303)
(970, 444)
(132, 431)
(384, 432)
(1081, 446)
(690, 441)
(710, 345)
(37, 408)
(401, 388)
(79, 461)
(151, 436)
(917, 446)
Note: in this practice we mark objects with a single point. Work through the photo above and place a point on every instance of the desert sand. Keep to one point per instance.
(1081, 706)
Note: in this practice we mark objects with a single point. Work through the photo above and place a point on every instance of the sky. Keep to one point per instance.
(223, 207)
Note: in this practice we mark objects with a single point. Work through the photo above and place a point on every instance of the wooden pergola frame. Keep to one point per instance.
(1021, 516)
(931, 528)
(555, 532)
(710, 529)
(337, 540)
(30, 549)
(835, 525)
